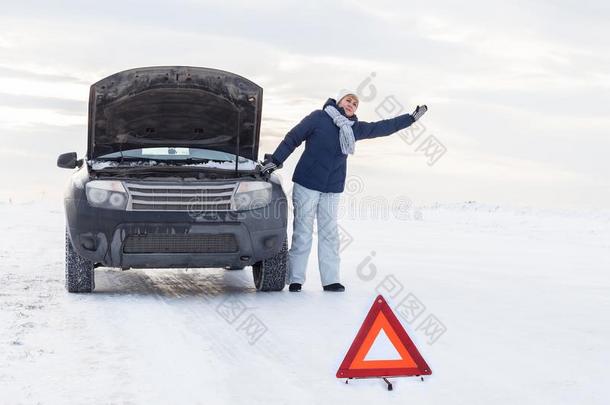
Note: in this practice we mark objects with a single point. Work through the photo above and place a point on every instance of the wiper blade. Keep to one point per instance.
(191, 160)
(128, 159)
(197, 160)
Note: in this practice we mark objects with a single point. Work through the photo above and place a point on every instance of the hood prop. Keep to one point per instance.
(237, 143)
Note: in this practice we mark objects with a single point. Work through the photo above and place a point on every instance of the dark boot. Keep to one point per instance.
(294, 287)
(334, 287)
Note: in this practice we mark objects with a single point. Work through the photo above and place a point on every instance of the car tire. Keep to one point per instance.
(79, 271)
(270, 274)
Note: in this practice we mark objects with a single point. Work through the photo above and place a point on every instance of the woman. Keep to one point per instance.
(319, 179)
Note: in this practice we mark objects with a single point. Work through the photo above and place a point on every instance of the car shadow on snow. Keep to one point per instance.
(174, 282)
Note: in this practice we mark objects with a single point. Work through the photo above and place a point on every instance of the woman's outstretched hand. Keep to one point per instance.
(419, 111)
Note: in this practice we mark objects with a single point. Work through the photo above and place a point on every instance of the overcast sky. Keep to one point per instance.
(518, 91)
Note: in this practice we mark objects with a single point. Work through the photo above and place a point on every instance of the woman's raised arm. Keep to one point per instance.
(365, 130)
(295, 137)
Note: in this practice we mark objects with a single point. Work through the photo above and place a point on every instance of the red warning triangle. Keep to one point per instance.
(381, 317)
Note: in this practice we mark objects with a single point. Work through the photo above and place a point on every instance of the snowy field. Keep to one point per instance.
(519, 301)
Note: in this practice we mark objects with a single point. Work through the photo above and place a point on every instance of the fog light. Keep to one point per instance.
(270, 242)
(87, 241)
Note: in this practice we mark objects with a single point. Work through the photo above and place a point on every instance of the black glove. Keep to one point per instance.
(268, 165)
(419, 111)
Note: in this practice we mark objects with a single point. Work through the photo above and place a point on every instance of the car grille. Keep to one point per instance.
(172, 243)
(193, 198)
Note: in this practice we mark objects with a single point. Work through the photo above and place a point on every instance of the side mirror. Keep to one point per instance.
(68, 160)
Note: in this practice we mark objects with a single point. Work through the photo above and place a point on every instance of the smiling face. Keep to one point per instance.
(349, 104)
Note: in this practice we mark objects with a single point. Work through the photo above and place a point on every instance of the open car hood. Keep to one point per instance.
(175, 106)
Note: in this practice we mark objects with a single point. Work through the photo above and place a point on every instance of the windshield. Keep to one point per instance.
(173, 155)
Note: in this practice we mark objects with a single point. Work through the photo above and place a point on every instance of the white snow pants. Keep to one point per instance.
(310, 204)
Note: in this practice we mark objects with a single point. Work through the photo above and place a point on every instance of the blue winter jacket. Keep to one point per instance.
(322, 165)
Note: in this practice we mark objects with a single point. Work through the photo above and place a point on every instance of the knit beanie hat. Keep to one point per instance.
(344, 92)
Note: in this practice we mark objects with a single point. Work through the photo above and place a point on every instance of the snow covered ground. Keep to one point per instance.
(519, 301)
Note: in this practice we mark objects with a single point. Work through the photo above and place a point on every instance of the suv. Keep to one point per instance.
(171, 179)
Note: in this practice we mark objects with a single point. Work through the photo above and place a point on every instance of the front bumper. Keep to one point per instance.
(149, 239)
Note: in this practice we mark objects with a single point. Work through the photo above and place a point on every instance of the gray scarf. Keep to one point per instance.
(346, 134)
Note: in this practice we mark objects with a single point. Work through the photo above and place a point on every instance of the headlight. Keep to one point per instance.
(106, 194)
(251, 195)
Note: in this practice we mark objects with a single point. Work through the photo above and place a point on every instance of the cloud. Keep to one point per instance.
(16, 118)
(9, 72)
(57, 104)
(514, 88)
